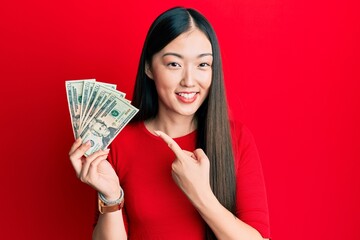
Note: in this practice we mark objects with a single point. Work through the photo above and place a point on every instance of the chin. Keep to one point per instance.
(188, 112)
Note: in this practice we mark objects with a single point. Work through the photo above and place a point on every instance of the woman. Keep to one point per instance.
(186, 171)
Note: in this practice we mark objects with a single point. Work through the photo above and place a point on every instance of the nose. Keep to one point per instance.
(188, 79)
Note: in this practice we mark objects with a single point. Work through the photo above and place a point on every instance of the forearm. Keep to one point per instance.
(110, 226)
(222, 222)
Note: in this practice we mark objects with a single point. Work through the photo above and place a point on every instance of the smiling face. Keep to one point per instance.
(182, 73)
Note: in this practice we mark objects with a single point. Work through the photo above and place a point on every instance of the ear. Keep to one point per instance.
(148, 71)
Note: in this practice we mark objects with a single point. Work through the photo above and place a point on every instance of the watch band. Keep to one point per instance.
(112, 208)
(106, 206)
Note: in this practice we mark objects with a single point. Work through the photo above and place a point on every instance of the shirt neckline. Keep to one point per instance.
(143, 127)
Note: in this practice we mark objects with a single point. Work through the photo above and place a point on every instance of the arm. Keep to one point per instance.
(110, 226)
(97, 172)
(191, 173)
(222, 222)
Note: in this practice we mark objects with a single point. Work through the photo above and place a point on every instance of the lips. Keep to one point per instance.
(187, 97)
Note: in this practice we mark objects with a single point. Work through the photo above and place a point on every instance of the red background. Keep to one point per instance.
(292, 75)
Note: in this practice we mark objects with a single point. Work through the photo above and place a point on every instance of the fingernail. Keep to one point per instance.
(157, 132)
(88, 143)
(106, 150)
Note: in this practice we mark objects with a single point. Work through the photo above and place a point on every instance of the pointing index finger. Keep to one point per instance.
(170, 142)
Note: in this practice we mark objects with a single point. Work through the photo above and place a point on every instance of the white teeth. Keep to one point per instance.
(187, 95)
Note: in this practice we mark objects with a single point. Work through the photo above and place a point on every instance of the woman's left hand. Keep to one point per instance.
(190, 170)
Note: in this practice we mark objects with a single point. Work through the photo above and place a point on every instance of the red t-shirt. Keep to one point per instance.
(156, 208)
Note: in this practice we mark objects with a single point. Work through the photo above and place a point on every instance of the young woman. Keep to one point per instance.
(183, 169)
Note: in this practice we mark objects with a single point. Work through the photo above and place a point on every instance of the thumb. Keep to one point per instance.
(190, 154)
(200, 155)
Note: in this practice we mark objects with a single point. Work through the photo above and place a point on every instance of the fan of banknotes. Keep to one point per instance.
(98, 111)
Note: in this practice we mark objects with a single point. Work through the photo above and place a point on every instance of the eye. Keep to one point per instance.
(173, 65)
(203, 65)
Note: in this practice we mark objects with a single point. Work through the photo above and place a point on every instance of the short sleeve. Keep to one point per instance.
(252, 207)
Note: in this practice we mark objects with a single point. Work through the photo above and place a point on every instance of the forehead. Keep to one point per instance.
(192, 42)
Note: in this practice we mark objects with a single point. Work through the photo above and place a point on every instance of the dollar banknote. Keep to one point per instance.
(87, 88)
(74, 89)
(107, 124)
(98, 97)
(91, 95)
(98, 112)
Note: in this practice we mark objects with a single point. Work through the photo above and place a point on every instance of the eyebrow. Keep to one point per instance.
(180, 56)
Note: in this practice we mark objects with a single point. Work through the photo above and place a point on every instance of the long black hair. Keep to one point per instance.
(213, 131)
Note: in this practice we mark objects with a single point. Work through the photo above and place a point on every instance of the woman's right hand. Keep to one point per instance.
(95, 170)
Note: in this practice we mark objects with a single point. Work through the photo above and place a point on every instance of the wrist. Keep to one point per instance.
(106, 206)
(205, 199)
(113, 198)
(113, 193)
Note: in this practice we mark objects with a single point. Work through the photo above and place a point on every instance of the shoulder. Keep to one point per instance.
(239, 131)
(126, 141)
(244, 146)
(128, 133)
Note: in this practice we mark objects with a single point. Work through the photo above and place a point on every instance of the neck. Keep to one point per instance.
(173, 126)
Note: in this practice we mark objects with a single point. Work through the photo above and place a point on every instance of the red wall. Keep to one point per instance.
(292, 74)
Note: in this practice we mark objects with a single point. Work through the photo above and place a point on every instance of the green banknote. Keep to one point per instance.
(98, 112)
(74, 90)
